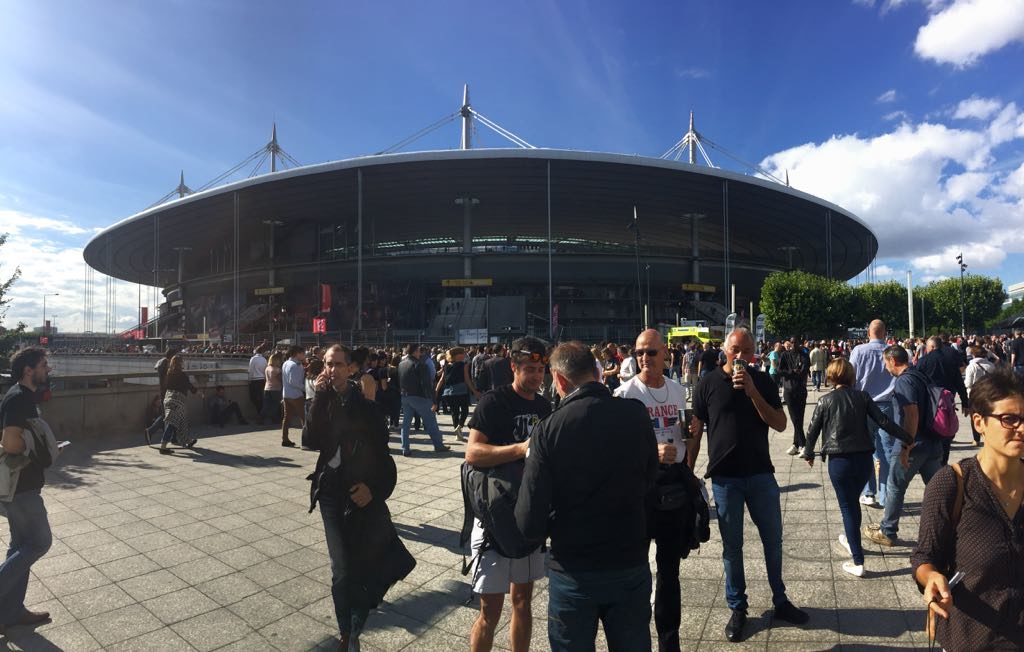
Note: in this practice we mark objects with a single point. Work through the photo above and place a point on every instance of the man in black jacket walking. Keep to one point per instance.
(794, 367)
(589, 469)
(354, 475)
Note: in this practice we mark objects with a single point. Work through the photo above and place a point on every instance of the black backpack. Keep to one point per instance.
(490, 494)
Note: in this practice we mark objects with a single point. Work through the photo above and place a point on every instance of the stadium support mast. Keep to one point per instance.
(274, 148)
(467, 119)
(691, 135)
(182, 189)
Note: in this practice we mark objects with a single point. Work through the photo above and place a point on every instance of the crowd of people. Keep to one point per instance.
(604, 443)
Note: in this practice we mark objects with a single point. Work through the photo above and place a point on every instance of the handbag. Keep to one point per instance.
(384, 560)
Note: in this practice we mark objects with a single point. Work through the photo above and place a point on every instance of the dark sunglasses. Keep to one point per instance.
(1008, 421)
(530, 356)
(648, 352)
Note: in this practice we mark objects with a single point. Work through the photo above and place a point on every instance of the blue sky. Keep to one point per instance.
(909, 113)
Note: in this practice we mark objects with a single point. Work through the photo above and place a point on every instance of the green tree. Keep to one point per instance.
(1015, 309)
(983, 299)
(8, 336)
(803, 304)
(886, 301)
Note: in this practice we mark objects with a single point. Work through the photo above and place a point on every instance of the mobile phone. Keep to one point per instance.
(63, 444)
(956, 579)
(739, 364)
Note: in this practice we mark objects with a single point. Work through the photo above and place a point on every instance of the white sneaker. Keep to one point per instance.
(800, 451)
(867, 500)
(792, 450)
(845, 543)
(857, 570)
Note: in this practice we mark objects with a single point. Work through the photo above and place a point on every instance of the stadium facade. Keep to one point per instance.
(507, 241)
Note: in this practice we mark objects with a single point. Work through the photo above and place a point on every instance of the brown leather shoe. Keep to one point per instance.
(33, 618)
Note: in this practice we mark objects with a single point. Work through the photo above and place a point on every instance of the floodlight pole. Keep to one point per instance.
(963, 268)
(467, 120)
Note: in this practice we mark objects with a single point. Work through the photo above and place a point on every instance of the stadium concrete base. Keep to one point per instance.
(213, 549)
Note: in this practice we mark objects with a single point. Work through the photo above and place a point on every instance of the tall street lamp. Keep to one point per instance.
(52, 294)
(963, 268)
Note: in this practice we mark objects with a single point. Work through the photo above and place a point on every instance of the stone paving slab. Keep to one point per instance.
(213, 549)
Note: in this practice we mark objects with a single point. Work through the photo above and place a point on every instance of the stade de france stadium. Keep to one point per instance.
(379, 245)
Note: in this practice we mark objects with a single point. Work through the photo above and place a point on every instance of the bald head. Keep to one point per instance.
(650, 338)
(876, 330)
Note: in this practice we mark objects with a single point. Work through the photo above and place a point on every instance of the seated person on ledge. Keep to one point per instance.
(221, 409)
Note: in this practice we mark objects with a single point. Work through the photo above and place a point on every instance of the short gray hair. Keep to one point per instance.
(574, 361)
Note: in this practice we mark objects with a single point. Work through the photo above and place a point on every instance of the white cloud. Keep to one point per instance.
(54, 265)
(925, 188)
(964, 31)
(1013, 184)
(896, 115)
(887, 96)
(966, 186)
(693, 73)
(12, 221)
(885, 270)
(981, 108)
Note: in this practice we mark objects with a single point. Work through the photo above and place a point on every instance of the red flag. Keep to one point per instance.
(325, 298)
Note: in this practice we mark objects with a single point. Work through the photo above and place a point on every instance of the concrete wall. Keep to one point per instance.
(77, 413)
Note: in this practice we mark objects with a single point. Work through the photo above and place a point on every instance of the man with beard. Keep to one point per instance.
(30, 536)
(499, 433)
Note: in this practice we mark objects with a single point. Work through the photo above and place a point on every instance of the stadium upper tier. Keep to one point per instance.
(407, 205)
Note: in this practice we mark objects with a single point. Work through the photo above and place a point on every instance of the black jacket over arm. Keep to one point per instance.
(840, 419)
(589, 470)
(357, 423)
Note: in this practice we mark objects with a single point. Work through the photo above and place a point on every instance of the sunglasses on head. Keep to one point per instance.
(530, 356)
(648, 352)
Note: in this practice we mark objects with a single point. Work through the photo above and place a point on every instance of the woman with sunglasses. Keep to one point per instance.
(975, 526)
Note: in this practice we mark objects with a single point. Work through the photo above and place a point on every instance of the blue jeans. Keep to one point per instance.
(30, 540)
(760, 494)
(620, 599)
(816, 377)
(926, 460)
(884, 443)
(351, 619)
(847, 473)
(421, 406)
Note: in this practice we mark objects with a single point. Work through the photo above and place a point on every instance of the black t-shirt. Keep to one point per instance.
(500, 371)
(737, 437)
(708, 360)
(16, 409)
(1017, 349)
(506, 417)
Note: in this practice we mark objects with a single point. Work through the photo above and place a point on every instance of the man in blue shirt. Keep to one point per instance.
(293, 391)
(873, 378)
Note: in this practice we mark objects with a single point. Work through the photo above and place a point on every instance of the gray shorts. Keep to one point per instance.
(493, 573)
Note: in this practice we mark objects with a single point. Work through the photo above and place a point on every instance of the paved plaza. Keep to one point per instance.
(213, 549)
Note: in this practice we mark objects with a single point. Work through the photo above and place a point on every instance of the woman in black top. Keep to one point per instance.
(176, 427)
(978, 530)
(455, 385)
(840, 418)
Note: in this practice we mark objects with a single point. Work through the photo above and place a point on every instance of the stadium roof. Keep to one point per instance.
(408, 197)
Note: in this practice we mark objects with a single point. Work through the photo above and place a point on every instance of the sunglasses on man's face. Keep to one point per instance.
(648, 352)
(530, 356)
